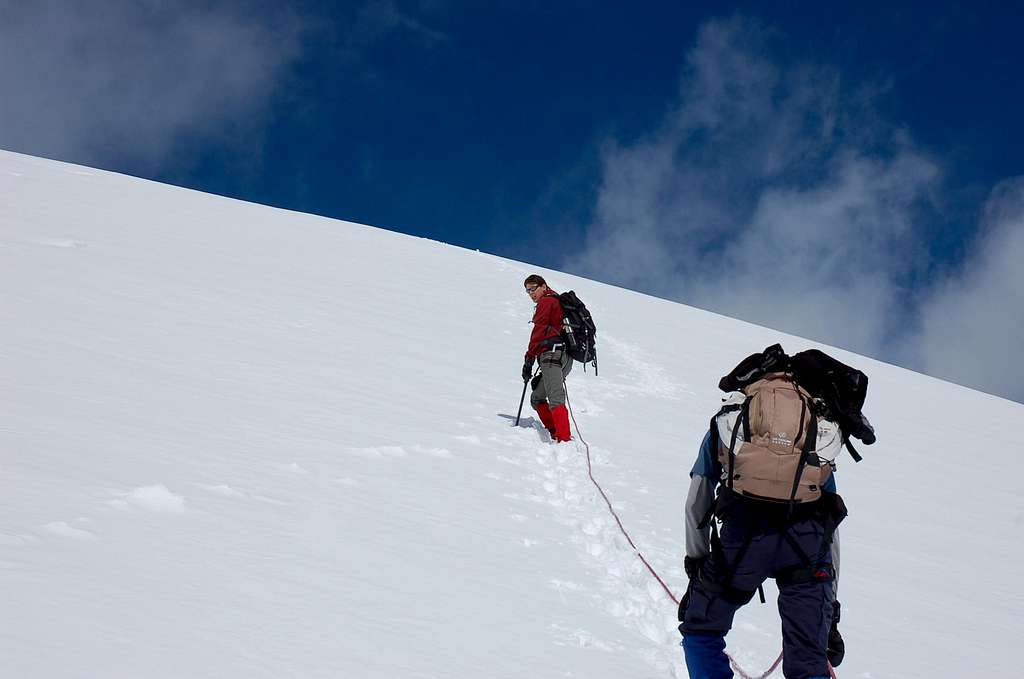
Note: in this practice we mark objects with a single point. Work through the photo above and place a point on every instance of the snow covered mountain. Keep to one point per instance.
(237, 441)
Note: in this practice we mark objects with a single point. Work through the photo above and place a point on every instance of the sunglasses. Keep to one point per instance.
(530, 291)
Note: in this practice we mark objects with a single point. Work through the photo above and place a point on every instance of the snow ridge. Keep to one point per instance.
(244, 442)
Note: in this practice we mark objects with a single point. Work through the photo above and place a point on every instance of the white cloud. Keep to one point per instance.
(774, 193)
(972, 327)
(134, 83)
(827, 261)
(770, 193)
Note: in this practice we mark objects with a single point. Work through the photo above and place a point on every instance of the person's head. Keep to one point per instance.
(535, 286)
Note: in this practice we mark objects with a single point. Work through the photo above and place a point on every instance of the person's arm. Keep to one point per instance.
(831, 487)
(698, 502)
(701, 495)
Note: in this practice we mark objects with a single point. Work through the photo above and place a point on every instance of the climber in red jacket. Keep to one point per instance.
(547, 347)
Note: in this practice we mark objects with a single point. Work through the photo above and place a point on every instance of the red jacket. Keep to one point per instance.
(547, 324)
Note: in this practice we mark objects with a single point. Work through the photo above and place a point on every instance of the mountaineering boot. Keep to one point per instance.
(560, 415)
(836, 647)
(545, 417)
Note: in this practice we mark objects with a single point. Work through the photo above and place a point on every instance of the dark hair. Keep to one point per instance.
(534, 279)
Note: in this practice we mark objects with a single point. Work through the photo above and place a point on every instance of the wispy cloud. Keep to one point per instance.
(769, 193)
(379, 18)
(131, 84)
(972, 326)
(773, 192)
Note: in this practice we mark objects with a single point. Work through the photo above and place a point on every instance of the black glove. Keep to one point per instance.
(527, 370)
(836, 647)
(683, 604)
(693, 565)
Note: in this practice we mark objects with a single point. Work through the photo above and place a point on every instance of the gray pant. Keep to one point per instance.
(554, 366)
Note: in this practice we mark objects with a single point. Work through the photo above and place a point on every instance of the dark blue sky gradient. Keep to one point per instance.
(485, 138)
(482, 126)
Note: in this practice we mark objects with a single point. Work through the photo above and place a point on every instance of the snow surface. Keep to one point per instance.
(237, 441)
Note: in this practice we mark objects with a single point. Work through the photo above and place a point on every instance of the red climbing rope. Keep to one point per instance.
(639, 554)
(590, 473)
(744, 675)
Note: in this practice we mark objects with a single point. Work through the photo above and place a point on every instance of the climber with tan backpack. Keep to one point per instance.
(763, 504)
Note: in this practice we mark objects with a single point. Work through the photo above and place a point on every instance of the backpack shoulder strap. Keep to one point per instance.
(745, 418)
(810, 443)
(742, 421)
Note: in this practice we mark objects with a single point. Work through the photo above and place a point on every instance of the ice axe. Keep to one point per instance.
(523, 398)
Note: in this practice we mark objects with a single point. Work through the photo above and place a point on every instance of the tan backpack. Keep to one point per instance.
(769, 439)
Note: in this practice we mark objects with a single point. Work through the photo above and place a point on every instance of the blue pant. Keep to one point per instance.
(792, 552)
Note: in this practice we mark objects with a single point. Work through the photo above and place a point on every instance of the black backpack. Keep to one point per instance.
(578, 330)
(840, 389)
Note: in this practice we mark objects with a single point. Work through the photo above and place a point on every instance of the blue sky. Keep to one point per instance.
(865, 161)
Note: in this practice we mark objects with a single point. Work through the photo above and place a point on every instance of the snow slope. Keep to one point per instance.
(237, 441)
